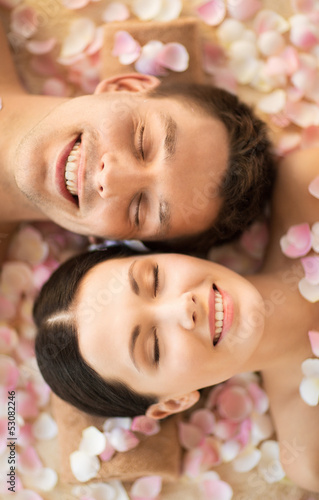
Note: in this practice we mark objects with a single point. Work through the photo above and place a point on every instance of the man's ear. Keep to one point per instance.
(134, 82)
(169, 406)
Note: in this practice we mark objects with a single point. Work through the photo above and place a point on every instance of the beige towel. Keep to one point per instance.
(155, 455)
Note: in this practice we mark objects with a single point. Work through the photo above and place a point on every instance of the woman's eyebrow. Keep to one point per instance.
(132, 280)
(134, 335)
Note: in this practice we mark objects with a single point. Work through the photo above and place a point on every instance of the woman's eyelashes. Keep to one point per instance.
(140, 141)
(156, 348)
(155, 271)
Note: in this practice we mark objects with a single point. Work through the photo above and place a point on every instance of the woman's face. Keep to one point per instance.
(150, 322)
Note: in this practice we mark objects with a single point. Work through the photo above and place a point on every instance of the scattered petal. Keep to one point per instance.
(29, 461)
(192, 462)
(309, 390)
(311, 268)
(262, 428)
(306, 6)
(212, 12)
(170, 10)
(24, 21)
(84, 467)
(297, 241)
(173, 56)
(146, 10)
(211, 452)
(203, 419)
(146, 487)
(9, 372)
(225, 429)
(190, 436)
(269, 20)
(273, 103)
(125, 47)
(303, 36)
(112, 423)
(75, 4)
(229, 450)
(81, 34)
(216, 490)
(108, 452)
(315, 236)
(45, 479)
(270, 43)
(314, 187)
(28, 246)
(41, 46)
(145, 425)
(259, 397)
(314, 341)
(303, 114)
(247, 460)
(122, 439)
(8, 339)
(310, 367)
(242, 50)
(147, 62)
(287, 143)
(308, 291)
(115, 11)
(269, 466)
(243, 9)
(44, 427)
(234, 403)
(310, 139)
(93, 441)
(230, 31)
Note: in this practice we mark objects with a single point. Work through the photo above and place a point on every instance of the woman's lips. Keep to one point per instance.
(60, 172)
(228, 313)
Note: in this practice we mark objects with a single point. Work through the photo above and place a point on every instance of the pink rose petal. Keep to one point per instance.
(29, 461)
(170, 10)
(24, 21)
(211, 452)
(97, 42)
(243, 9)
(297, 241)
(303, 36)
(190, 436)
(259, 397)
(9, 372)
(108, 452)
(217, 490)
(305, 6)
(192, 462)
(115, 11)
(243, 435)
(146, 10)
(145, 425)
(311, 268)
(212, 12)
(173, 56)
(225, 429)
(314, 341)
(273, 103)
(8, 339)
(41, 46)
(267, 20)
(122, 439)
(204, 419)
(146, 487)
(147, 62)
(314, 187)
(81, 34)
(125, 47)
(234, 403)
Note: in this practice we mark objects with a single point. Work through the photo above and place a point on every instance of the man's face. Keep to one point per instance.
(145, 168)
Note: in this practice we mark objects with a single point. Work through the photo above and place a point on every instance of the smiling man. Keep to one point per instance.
(136, 160)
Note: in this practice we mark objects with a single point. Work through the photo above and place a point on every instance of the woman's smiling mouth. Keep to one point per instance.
(71, 169)
(220, 315)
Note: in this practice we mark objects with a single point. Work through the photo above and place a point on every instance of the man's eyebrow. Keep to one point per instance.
(164, 215)
(132, 280)
(135, 333)
(170, 136)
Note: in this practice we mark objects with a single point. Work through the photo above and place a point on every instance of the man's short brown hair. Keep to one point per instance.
(247, 185)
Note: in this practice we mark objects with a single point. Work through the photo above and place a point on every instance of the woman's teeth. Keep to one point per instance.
(71, 170)
(219, 316)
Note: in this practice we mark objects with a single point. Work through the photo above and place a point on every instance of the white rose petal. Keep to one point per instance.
(93, 441)
(83, 466)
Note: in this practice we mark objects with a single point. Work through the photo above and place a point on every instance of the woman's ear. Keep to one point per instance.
(134, 82)
(169, 406)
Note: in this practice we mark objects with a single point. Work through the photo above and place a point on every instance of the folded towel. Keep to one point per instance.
(159, 454)
(184, 30)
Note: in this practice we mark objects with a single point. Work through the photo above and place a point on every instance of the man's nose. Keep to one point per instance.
(118, 176)
(179, 311)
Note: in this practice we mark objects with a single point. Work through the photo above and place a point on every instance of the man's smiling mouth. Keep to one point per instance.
(71, 169)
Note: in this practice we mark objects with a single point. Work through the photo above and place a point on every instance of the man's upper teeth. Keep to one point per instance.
(219, 315)
(71, 170)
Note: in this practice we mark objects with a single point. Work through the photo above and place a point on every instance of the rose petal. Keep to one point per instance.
(308, 291)
(170, 10)
(212, 12)
(8, 339)
(41, 46)
(145, 425)
(29, 461)
(305, 6)
(315, 236)
(122, 440)
(192, 462)
(219, 490)
(173, 56)
(309, 391)
(267, 20)
(108, 452)
(311, 268)
(93, 441)
(229, 450)
(9, 372)
(146, 487)
(287, 143)
(112, 423)
(125, 47)
(24, 21)
(297, 241)
(45, 479)
(146, 10)
(247, 460)
(262, 428)
(273, 103)
(225, 429)
(245, 70)
(204, 419)
(269, 466)
(270, 43)
(44, 427)
(259, 397)
(28, 245)
(81, 34)
(75, 4)
(84, 467)
(310, 139)
(147, 62)
(103, 491)
(190, 436)
(314, 187)
(115, 11)
(242, 50)
(310, 368)
(303, 114)
(314, 341)
(230, 31)
(303, 36)
(233, 403)
(243, 9)
(211, 452)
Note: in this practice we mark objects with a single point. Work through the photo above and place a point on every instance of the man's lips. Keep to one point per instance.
(60, 172)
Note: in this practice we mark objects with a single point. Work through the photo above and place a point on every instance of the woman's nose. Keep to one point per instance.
(180, 310)
(118, 177)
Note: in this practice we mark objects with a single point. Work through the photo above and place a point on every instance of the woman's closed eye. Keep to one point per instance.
(156, 348)
(155, 271)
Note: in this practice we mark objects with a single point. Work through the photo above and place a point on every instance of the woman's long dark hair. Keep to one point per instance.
(57, 349)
